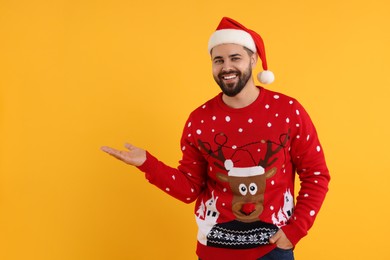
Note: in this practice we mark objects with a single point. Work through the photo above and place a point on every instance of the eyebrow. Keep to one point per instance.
(230, 56)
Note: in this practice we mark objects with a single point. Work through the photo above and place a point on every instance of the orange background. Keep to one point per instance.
(76, 75)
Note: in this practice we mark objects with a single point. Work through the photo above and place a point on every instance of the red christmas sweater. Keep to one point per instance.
(240, 165)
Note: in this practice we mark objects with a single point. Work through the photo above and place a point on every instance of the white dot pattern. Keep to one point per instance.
(227, 130)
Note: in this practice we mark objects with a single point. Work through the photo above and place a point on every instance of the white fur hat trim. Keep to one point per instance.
(243, 172)
(232, 36)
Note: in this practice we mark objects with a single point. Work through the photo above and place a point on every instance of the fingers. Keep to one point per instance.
(112, 151)
(107, 149)
(129, 146)
(275, 238)
(281, 240)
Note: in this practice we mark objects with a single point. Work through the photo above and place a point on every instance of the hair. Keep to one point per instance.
(250, 52)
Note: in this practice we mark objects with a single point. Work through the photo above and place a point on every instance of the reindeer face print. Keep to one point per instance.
(247, 184)
(245, 168)
(248, 194)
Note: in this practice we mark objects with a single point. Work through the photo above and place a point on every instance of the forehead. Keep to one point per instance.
(227, 49)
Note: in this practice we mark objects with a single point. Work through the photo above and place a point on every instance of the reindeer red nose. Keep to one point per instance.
(248, 208)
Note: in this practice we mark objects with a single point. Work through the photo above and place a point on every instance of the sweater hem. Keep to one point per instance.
(214, 253)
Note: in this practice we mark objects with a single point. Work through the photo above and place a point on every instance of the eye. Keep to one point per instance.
(252, 188)
(243, 189)
(218, 61)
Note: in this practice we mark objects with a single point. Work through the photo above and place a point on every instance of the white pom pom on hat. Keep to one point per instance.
(230, 31)
(266, 77)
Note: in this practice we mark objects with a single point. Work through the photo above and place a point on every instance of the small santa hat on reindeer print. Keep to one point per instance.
(230, 31)
(242, 171)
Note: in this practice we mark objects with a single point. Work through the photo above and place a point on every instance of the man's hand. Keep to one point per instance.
(280, 240)
(134, 156)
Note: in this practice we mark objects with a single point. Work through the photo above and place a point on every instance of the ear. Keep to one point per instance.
(270, 173)
(254, 59)
(222, 177)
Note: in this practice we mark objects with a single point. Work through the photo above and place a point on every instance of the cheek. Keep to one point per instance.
(215, 70)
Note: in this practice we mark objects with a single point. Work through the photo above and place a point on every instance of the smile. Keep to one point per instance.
(229, 77)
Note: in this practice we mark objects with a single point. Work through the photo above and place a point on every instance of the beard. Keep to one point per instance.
(232, 89)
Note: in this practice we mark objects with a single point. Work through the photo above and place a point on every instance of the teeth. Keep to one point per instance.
(229, 77)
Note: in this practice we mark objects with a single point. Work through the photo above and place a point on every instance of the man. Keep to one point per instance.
(241, 150)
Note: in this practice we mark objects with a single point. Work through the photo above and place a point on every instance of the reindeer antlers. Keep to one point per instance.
(283, 138)
(221, 140)
(219, 153)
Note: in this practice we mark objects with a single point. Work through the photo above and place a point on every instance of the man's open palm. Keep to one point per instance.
(134, 156)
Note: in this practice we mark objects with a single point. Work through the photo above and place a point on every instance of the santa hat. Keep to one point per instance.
(230, 31)
(244, 171)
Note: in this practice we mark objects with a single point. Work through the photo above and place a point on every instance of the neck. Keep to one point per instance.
(246, 97)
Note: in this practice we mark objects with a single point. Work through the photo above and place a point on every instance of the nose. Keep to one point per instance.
(227, 66)
(248, 208)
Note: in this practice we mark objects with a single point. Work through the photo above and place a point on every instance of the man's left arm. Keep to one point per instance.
(309, 161)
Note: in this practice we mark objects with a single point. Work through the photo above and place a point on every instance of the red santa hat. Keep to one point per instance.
(230, 31)
(242, 171)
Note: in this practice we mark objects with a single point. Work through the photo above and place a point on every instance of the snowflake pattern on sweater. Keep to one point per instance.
(240, 164)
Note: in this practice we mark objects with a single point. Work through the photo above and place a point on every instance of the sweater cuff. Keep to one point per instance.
(148, 166)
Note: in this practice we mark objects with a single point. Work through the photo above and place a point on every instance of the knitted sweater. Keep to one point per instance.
(239, 165)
